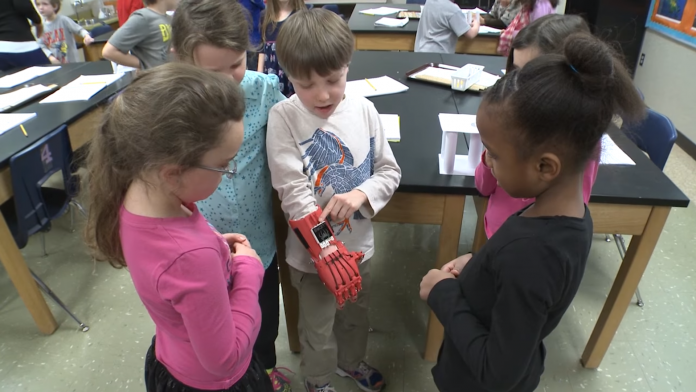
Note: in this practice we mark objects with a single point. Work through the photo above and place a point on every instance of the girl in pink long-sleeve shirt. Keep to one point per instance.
(163, 145)
(545, 35)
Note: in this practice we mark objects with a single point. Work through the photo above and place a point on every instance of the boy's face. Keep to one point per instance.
(221, 60)
(45, 8)
(321, 94)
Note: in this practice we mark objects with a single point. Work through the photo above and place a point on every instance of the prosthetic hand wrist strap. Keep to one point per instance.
(337, 270)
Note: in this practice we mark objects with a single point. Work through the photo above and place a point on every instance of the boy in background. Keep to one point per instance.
(327, 150)
(442, 23)
(143, 41)
(57, 41)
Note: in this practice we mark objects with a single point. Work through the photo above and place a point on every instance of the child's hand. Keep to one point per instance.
(430, 280)
(327, 251)
(243, 250)
(88, 40)
(53, 60)
(343, 206)
(456, 266)
(234, 238)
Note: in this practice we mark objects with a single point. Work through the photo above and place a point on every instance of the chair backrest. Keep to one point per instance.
(100, 30)
(655, 135)
(415, 1)
(30, 168)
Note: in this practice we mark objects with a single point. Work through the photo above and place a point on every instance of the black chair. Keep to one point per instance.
(656, 136)
(33, 207)
(100, 30)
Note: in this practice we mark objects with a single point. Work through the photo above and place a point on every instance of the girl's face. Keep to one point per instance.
(197, 184)
(522, 56)
(45, 8)
(221, 60)
(515, 175)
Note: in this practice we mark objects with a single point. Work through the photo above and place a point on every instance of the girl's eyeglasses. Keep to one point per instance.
(228, 173)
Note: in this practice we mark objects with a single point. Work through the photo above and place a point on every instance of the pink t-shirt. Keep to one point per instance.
(204, 302)
(501, 205)
(541, 8)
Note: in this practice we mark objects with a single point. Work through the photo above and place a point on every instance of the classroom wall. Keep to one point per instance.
(666, 78)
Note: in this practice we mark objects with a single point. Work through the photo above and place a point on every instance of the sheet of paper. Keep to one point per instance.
(489, 30)
(9, 100)
(377, 86)
(612, 154)
(392, 22)
(503, 71)
(487, 79)
(458, 123)
(475, 11)
(24, 76)
(11, 120)
(382, 11)
(392, 127)
(82, 88)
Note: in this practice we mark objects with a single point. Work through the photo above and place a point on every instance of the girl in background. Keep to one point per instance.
(530, 11)
(163, 145)
(544, 36)
(277, 12)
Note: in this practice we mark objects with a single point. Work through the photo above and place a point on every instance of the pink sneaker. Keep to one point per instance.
(280, 381)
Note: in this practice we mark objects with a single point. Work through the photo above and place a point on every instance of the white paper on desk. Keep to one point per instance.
(392, 127)
(487, 79)
(489, 30)
(24, 76)
(474, 11)
(458, 123)
(11, 120)
(612, 154)
(391, 22)
(9, 100)
(82, 88)
(382, 11)
(382, 86)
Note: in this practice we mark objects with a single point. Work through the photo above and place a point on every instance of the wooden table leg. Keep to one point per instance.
(480, 237)
(631, 271)
(291, 301)
(447, 251)
(19, 273)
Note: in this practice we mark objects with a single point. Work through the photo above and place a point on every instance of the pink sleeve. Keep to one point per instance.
(485, 182)
(541, 8)
(221, 326)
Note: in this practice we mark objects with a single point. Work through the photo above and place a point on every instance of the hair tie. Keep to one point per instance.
(573, 68)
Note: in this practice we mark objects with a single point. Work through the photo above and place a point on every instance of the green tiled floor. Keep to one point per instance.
(653, 351)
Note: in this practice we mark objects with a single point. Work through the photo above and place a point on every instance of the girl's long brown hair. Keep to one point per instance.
(270, 16)
(172, 114)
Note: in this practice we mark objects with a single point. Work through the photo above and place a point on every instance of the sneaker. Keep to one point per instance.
(316, 388)
(280, 381)
(368, 378)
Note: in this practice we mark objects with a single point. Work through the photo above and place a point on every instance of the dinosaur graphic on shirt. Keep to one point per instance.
(331, 160)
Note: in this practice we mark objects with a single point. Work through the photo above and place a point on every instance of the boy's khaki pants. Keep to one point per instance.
(330, 337)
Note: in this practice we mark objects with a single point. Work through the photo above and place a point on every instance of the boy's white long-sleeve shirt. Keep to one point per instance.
(311, 159)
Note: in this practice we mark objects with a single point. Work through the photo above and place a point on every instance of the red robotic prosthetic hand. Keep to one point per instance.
(337, 270)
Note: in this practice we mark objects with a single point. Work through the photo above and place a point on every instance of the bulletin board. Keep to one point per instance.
(674, 18)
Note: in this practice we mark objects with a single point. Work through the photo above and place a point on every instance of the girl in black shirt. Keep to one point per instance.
(540, 124)
(18, 47)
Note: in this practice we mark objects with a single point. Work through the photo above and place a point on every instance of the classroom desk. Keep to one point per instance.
(632, 200)
(82, 118)
(370, 37)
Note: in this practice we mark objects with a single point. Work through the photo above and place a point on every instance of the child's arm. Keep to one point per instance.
(459, 25)
(287, 168)
(75, 28)
(526, 289)
(485, 181)
(262, 60)
(125, 39)
(221, 325)
(387, 174)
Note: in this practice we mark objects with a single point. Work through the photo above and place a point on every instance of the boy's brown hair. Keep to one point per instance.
(172, 114)
(316, 40)
(220, 23)
(54, 3)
